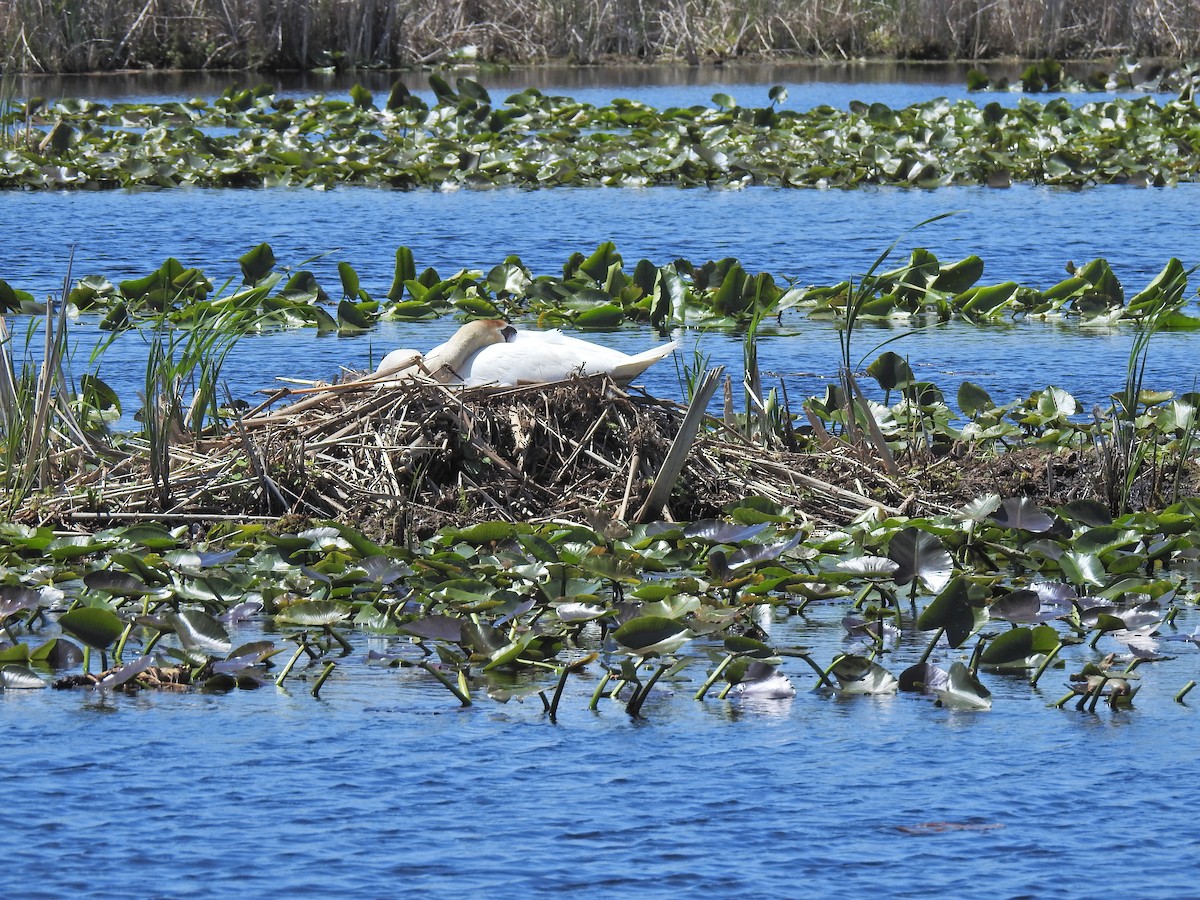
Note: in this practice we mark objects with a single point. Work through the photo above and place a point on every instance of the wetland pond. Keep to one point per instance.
(384, 786)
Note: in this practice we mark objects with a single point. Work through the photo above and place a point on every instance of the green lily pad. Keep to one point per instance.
(95, 626)
(652, 634)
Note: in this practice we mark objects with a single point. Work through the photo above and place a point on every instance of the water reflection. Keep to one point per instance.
(810, 84)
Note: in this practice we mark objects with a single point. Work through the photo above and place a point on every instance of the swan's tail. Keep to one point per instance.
(626, 371)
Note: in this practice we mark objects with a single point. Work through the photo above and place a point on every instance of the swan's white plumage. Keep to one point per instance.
(442, 362)
(493, 352)
(398, 361)
(530, 357)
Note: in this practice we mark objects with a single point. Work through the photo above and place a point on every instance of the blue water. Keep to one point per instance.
(384, 787)
(1026, 234)
(809, 84)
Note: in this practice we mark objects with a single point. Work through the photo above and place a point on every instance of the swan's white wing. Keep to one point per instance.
(529, 357)
(639, 362)
(537, 356)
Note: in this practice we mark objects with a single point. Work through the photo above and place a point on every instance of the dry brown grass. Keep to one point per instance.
(53, 35)
(402, 461)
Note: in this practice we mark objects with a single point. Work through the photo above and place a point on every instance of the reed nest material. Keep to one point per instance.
(399, 461)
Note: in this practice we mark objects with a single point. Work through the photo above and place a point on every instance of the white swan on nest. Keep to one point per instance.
(490, 351)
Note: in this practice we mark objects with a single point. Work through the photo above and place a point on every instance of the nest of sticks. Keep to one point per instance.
(401, 460)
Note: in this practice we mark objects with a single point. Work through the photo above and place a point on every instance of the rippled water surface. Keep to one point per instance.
(808, 84)
(1026, 234)
(384, 788)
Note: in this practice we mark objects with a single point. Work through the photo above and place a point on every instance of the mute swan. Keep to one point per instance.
(443, 361)
(528, 357)
(490, 351)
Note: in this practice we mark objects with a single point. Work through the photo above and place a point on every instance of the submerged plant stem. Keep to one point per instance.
(328, 670)
(714, 676)
(300, 648)
(1050, 657)
(463, 698)
(599, 692)
(634, 707)
(558, 692)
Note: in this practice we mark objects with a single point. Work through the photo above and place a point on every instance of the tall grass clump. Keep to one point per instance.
(1127, 436)
(182, 386)
(74, 35)
(40, 435)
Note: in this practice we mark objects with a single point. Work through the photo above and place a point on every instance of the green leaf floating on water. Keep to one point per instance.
(350, 281)
(923, 678)
(891, 371)
(16, 653)
(652, 634)
(73, 546)
(127, 672)
(487, 533)
(13, 677)
(510, 652)
(859, 675)
(15, 598)
(1019, 647)
(956, 609)
(1082, 568)
(313, 614)
(257, 263)
(95, 626)
(609, 315)
(57, 653)
(118, 584)
(920, 555)
(972, 399)
(198, 630)
(352, 319)
(963, 690)
(1023, 514)
(746, 646)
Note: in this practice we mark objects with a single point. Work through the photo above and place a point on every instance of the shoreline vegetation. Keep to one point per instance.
(396, 459)
(280, 35)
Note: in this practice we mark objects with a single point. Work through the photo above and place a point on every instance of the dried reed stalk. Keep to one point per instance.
(401, 460)
(74, 35)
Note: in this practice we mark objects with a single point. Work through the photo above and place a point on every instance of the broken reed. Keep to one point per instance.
(73, 35)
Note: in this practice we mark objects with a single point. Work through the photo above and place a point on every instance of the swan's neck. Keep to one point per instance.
(445, 360)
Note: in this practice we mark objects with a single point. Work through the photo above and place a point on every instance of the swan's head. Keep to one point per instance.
(481, 333)
(497, 331)
(398, 361)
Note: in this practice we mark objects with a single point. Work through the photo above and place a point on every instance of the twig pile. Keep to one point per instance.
(403, 459)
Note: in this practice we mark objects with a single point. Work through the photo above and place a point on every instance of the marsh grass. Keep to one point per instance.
(180, 397)
(862, 430)
(73, 35)
(40, 429)
(10, 107)
(1128, 439)
(43, 436)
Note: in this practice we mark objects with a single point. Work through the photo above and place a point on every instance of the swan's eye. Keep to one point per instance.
(509, 332)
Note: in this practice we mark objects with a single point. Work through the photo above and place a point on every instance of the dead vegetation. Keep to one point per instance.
(73, 36)
(402, 460)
